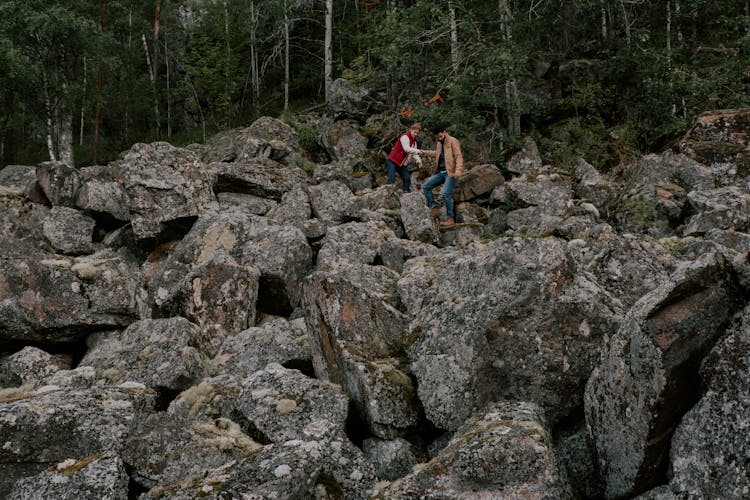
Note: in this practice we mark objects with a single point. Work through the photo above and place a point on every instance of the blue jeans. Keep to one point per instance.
(403, 172)
(447, 191)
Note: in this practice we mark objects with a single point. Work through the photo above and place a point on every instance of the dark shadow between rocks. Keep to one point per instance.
(164, 396)
(304, 366)
(355, 427)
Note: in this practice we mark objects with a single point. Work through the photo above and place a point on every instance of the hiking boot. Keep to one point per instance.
(448, 222)
(435, 212)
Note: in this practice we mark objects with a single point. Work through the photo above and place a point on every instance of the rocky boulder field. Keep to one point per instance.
(240, 319)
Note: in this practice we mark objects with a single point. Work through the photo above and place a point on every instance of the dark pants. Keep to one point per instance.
(403, 172)
(447, 191)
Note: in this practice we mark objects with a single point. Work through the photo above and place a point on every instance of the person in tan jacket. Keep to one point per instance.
(448, 169)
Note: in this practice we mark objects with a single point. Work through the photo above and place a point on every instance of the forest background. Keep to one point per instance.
(82, 80)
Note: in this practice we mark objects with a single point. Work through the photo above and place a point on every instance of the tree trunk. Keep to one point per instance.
(99, 87)
(328, 55)
(50, 129)
(169, 90)
(227, 79)
(153, 84)
(83, 105)
(65, 137)
(454, 37)
(286, 59)
(512, 96)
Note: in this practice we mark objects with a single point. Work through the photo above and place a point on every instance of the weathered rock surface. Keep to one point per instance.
(158, 353)
(250, 241)
(477, 182)
(69, 231)
(647, 378)
(512, 319)
(16, 179)
(416, 218)
(51, 298)
(59, 182)
(257, 177)
(104, 197)
(283, 405)
(88, 478)
(52, 425)
(354, 328)
(393, 458)
(711, 446)
(29, 366)
(278, 341)
(503, 452)
(164, 185)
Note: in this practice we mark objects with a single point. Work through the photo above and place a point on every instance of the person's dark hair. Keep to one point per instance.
(436, 128)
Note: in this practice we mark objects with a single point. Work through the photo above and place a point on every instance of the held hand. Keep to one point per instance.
(458, 174)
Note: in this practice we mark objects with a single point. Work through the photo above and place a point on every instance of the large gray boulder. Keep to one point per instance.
(503, 452)
(264, 178)
(100, 196)
(513, 319)
(16, 179)
(295, 469)
(161, 353)
(647, 377)
(283, 405)
(416, 218)
(29, 366)
(354, 330)
(57, 299)
(87, 478)
(251, 241)
(218, 295)
(278, 341)
(164, 185)
(163, 451)
(52, 425)
(59, 182)
(711, 446)
(69, 231)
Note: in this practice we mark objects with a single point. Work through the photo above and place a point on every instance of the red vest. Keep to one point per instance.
(398, 155)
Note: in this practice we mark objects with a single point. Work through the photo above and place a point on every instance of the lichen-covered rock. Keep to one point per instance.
(259, 177)
(630, 266)
(52, 298)
(343, 142)
(722, 208)
(393, 458)
(590, 185)
(353, 328)
(59, 182)
(513, 319)
(160, 353)
(248, 203)
(718, 137)
(219, 296)
(16, 179)
(164, 185)
(294, 208)
(331, 201)
(52, 425)
(416, 218)
(526, 160)
(711, 446)
(503, 452)
(163, 449)
(646, 380)
(283, 405)
(361, 242)
(104, 197)
(346, 100)
(29, 366)
(279, 341)
(249, 240)
(294, 469)
(69, 231)
(477, 182)
(87, 478)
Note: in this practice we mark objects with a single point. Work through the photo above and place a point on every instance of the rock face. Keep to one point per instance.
(503, 453)
(511, 319)
(709, 445)
(647, 378)
(246, 318)
(164, 185)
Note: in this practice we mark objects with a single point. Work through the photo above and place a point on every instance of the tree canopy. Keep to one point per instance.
(578, 74)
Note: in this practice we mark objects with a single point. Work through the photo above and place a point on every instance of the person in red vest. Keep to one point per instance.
(404, 149)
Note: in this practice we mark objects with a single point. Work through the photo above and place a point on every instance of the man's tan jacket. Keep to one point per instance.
(454, 160)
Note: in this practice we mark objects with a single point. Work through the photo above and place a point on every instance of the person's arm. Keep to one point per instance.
(407, 147)
(458, 158)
